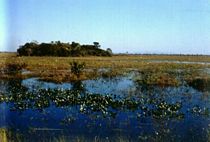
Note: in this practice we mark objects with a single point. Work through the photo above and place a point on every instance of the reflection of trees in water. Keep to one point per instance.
(200, 84)
(78, 86)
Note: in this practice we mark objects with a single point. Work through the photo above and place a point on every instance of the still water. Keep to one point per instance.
(104, 109)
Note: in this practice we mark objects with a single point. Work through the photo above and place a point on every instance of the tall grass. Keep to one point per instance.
(3, 137)
(57, 68)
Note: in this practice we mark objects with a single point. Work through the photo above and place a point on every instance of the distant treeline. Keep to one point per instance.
(58, 48)
(153, 54)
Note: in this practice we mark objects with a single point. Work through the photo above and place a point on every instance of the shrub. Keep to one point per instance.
(77, 68)
(15, 67)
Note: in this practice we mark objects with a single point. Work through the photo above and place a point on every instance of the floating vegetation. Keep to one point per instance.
(123, 98)
(165, 110)
(89, 103)
(82, 109)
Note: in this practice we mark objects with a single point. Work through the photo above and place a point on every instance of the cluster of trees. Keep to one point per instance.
(58, 48)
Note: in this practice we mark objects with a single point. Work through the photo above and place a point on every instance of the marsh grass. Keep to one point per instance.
(94, 139)
(10, 136)
(57, 69)
(64, 138)
(15, 67)
(157, 78)
(80, 138)
(3, 137)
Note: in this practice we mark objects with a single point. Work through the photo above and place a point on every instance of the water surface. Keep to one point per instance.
(117, 108)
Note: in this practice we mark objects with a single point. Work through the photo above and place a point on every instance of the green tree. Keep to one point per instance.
(58, 48)
(96, 44)
(109, 50)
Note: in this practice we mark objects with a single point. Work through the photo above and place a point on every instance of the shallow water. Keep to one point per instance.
(179, 62)
(112, 109)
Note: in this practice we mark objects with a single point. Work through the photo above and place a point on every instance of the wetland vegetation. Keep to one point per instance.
(118, 98)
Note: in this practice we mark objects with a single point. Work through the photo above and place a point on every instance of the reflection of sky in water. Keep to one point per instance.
(2, 86)
(118, 86)
(68, 121)
(34, 83)
(179, 62)
(207, 70)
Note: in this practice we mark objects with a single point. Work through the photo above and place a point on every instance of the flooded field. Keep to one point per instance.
(120, 108)
(111, 99)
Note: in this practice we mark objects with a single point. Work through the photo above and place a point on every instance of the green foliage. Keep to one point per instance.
(96, 44)
(58, 48)
(77, 68)
(109, 50)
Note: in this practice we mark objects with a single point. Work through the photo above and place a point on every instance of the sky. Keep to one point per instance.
(133, 26)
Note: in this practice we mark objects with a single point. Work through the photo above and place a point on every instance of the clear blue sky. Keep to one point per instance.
(136, 26)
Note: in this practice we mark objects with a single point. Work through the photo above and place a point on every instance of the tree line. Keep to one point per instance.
(57, 48)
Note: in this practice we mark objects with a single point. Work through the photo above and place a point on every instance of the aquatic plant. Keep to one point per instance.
(153, 98)
(165, 110)
(2, 98)
(106, 105)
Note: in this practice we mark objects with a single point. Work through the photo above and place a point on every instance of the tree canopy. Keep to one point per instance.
(58, 48)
